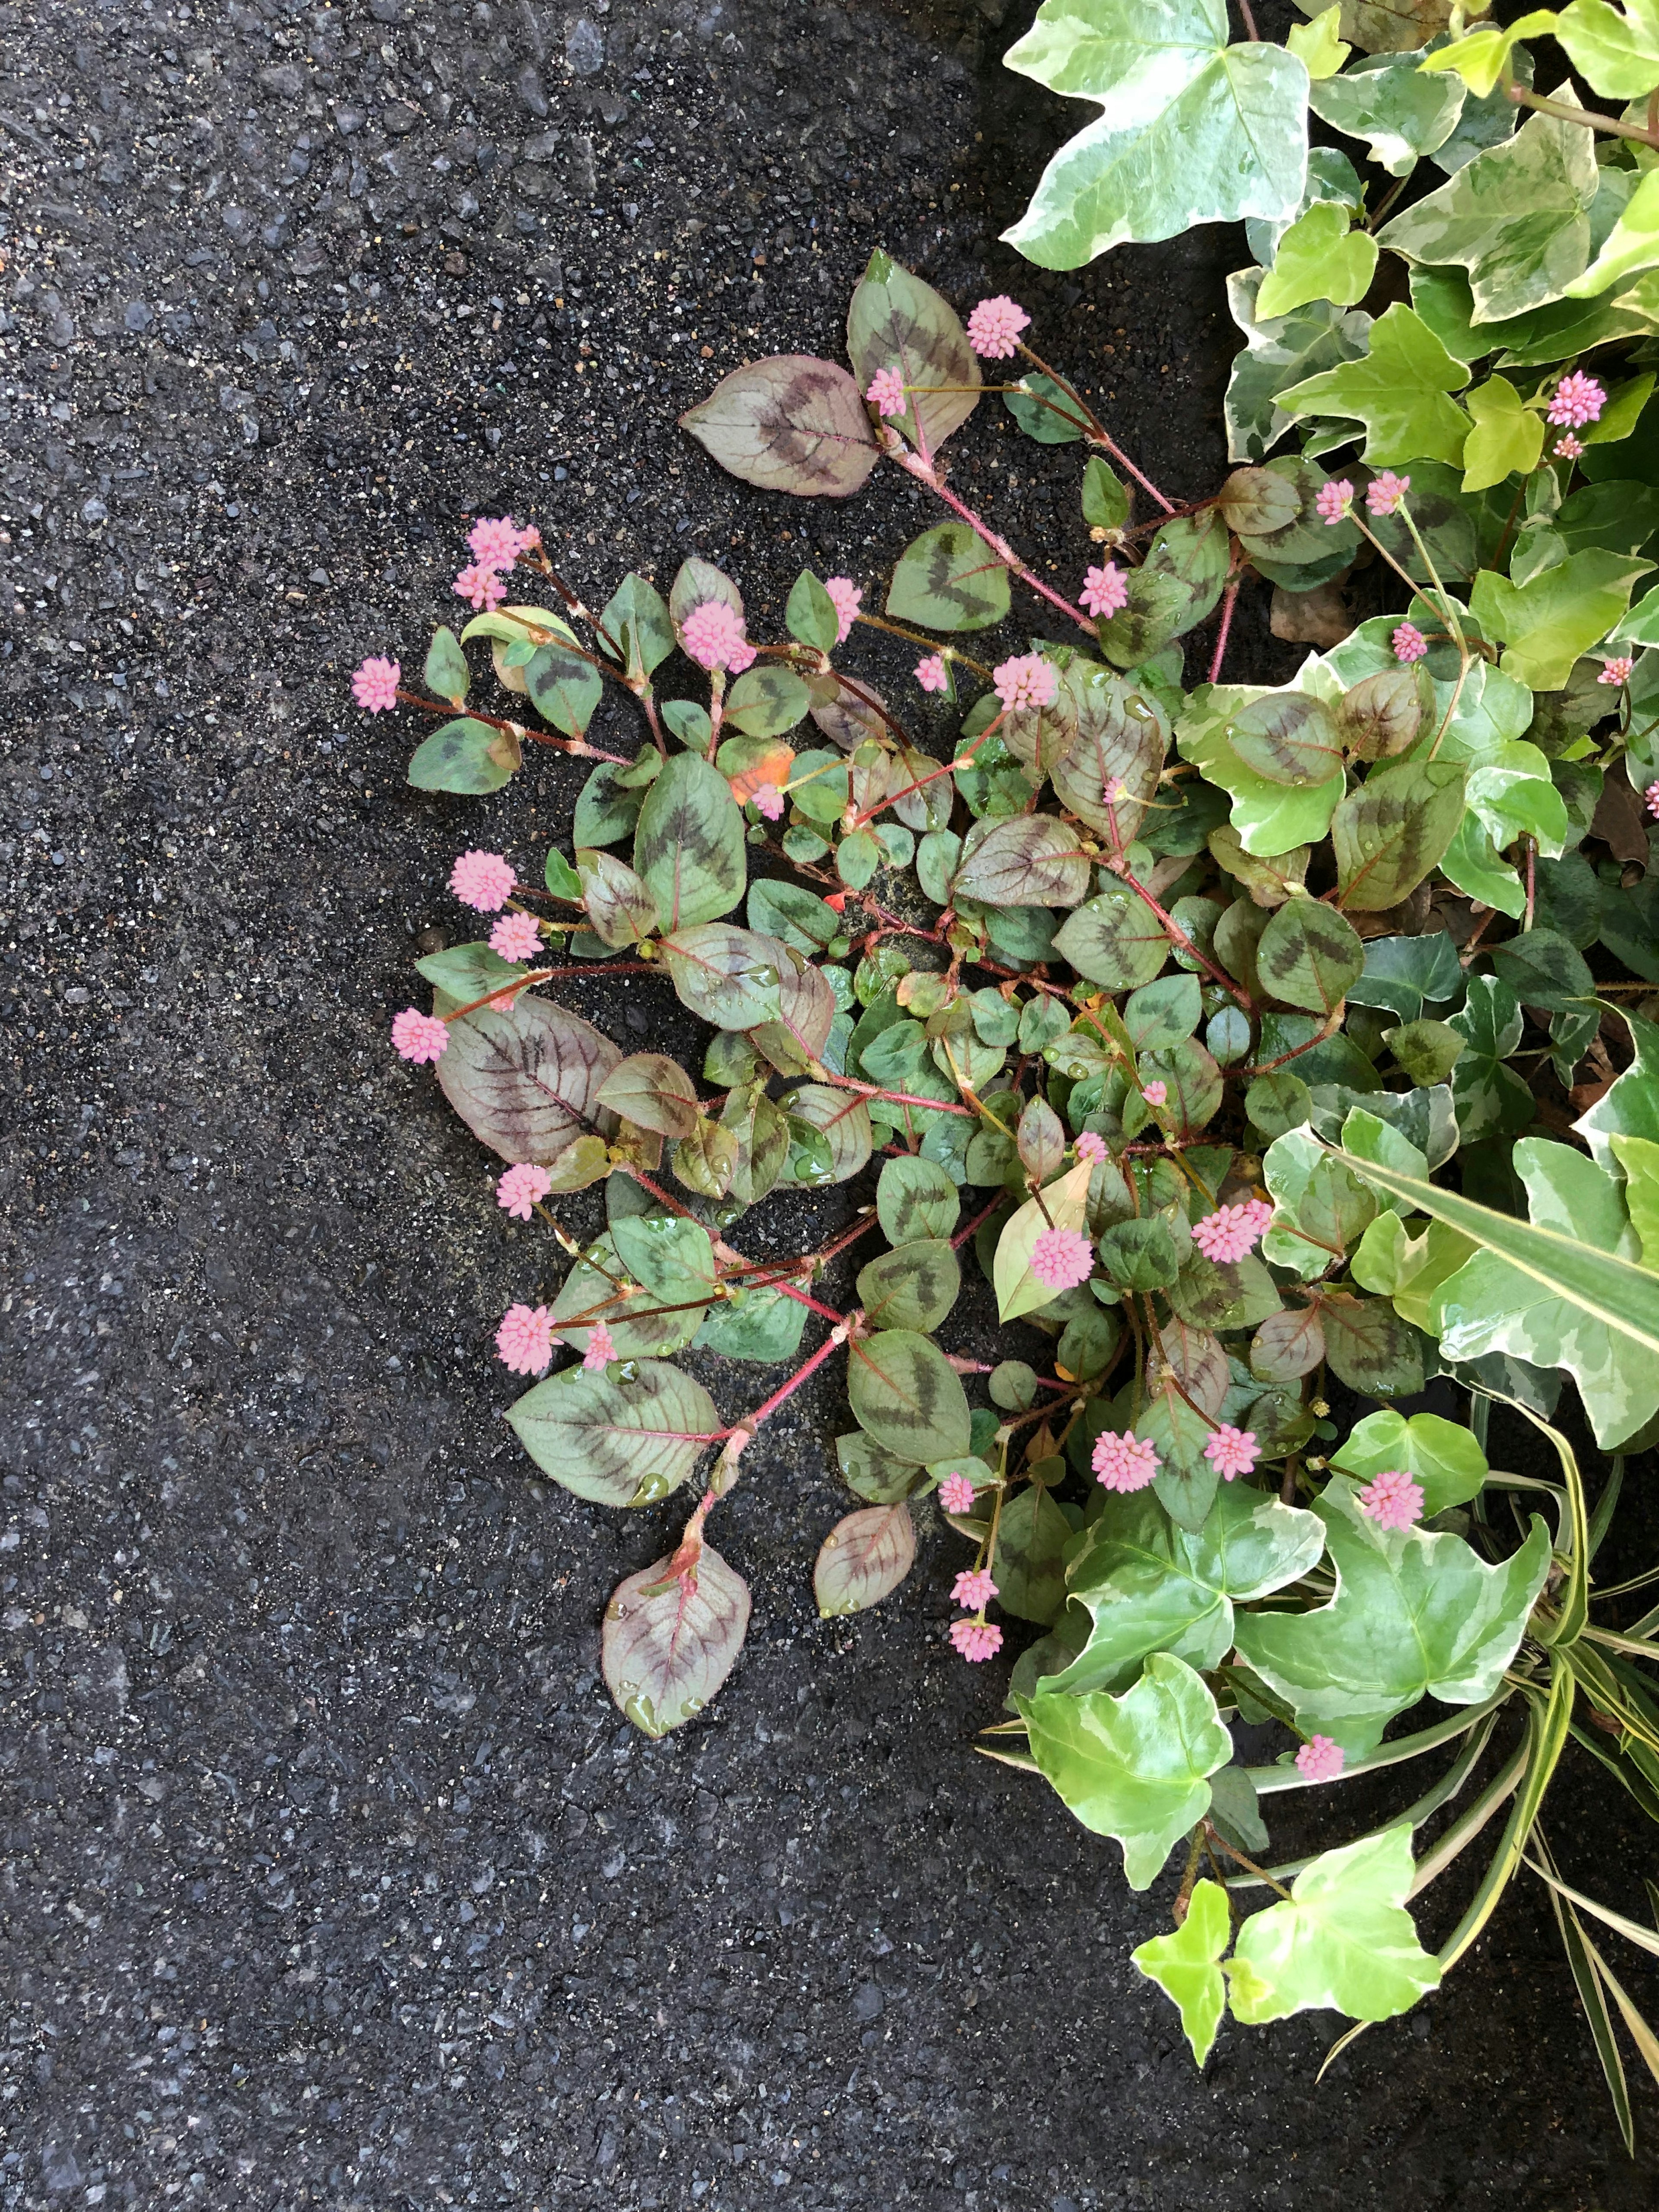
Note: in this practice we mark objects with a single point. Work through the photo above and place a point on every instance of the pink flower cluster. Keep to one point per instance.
(522, 1189)
(1105, 590)
(1651, 795)
(1062, 1258)
(1091, 1147)
(526, 1338)
(483, 881)
(419, 1038)
(1616, 671)
(994, 326)
(1392, 1499)
(1231, 1232)
(374, 686)
(496, 542)
(1409, 642)
(768, 800)
(1332, 500)
(1025, 681)
(516, 937)
(848, 599)
(1386, 491)
(1231, 1451)
(974, 1589)
(955, 1493)
(713, 634)
(886, 392)
(1155, 1094)
(1320, 1759)
(932, 674)
(601, 1349)
(1123, 1462)
(1577, 399)
(1569, 448)
(976, 1640)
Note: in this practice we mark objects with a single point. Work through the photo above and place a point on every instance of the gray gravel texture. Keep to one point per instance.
(332, 1877)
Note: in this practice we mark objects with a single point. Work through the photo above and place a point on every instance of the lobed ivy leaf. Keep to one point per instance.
(1342, 1939)
(1319, 258)
(1279, 351)
(1185, 1966)
(1399, 390)
(1400, 113)
(666, 1646)
(1446, 1460)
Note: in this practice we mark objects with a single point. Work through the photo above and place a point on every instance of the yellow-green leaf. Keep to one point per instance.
(1322, 53)
(1507, 437)
(1319, 258)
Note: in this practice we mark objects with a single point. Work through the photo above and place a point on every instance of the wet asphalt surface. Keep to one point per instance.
(332, 1878)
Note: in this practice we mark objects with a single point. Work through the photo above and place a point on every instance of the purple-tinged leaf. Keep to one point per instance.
(863, 1558)
(665, 1648)
(788, 424)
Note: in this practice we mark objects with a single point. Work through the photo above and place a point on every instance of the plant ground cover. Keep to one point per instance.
(384, 1706)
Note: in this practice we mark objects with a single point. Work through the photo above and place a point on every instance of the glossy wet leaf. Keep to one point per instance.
(1517, 218)
(896, 321)
(688, 847)
(1309, 955)
(841, 1119)
(871, 1474)
(913, 1286)
(1443, 1457)
(1175, 587)
(618, 1443)
(905, 1394)
(1342, 1941)
(652, 1091)
(1185, 1966)
(1115, 940)
(1192, 129)
(1414, 1616)
(665, 1650)
(788, 424)
(726, 975)
(1030, 859)
(527, 1082)
(864, 1558)
(1149, 1585)
(950, 580)
(1120, 736)
(1134, 1767)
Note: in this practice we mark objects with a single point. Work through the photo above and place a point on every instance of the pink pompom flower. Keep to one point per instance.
(1577, 399)
(994, 326)
(768, 800)
(1408, 643)
(1231, 1451)
(496, 542)
(1123, 1462)
(848, 598)
(1392, 1499)
(1155, 1094)
(955, 1493)
(1569, 448)
(1062, 1258)
(483, 881)
(374, 686)
(481, 587)
(1616, 671)
(1230, 1232)
(932, 674)
(1652, 797)
(974, 1589)
(525, 1340)
(1332, 500)
(1385, 491)
(976, 1640)
(1024, 681)
(419, 1038)
(517, 937)
(1090, 1147)
(1320, 1759)
(601, 1349)
(1105, 590)
(886, 392)
(713, 634)
(522, 1188)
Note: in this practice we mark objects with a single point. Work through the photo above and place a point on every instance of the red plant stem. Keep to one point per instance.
(511, 987)
(1099, 434)
(1227, 605)
(1178, 936)
(831, 1343)
(895, 1097)
(946, 768)
(579, 746)
(925, 472)
(984, 1214)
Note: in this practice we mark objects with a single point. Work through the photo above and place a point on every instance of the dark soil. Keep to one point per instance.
(333, 1878)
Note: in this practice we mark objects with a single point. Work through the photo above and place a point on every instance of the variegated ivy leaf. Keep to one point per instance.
(1615, 49)
(1192, 129)
(1279, 351)
(1414, 1616)
(1400, 113)
(1342, 1939)
(1482, 56)
(1185, 1966)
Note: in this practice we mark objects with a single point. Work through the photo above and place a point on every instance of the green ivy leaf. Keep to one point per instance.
(1414, 1616)
(1507, 437)
(1546, 623)
(1191, 129)
(1399, 390)
(1444, 1458)
(1133, 1767)
(1343, 1940)
(1149, 1585)
(1616, 49)
(1482, 56)
(1319, 258)
(1185, 1964)
(1399, 112)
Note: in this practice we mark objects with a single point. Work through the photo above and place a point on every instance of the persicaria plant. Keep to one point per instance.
(1205, 1019)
